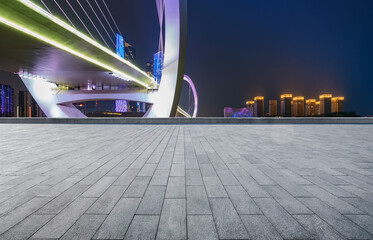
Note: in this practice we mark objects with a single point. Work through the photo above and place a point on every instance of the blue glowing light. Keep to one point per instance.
(158, 66)
(120, 46)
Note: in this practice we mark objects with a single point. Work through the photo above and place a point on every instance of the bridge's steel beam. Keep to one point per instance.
(169, 92)
(71, 97)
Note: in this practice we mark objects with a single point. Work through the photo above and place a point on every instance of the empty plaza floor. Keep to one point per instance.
(186, 181)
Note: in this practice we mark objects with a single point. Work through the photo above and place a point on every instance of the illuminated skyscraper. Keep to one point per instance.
(27, 106)
(311, 107)
(250, 107)
(129, 52)
(259, 106)
(325, 104)
(149, 68)
(6, 101)
(298, 106)
(317, 108)
(272, 107)
(286, 100)
(337, 104)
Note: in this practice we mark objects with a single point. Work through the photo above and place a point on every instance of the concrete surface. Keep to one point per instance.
(186, 181)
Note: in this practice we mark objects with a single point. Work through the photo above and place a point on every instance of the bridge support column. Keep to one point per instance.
(44, 94)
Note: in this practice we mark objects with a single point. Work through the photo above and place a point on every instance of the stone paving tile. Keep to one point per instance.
(228, 223)
(214, 187)
(243, 203)
(186, 181)
(65, 219)
(152, 201)
(201, 227)
(27, 227)
(176, 187)
(259, 227)
(107, 200)
(284, 223)
(116, 224)
(172, 224)
(84, 228)
(339, 222)
(317, 227)
(143, 227)
(197, 202)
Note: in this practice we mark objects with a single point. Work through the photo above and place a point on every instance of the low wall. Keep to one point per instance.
(213, 120)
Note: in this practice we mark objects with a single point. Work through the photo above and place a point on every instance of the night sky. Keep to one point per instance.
(238, 49)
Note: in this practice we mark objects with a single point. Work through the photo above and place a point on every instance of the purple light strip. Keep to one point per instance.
(191, 84)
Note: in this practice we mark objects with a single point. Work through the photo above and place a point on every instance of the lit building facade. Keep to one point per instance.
(325, 104)
(311, 107)
(272, 107)
(337, 104)
(286, 100)
(259, 106)
(6, 101)
(250, 107)
(317, 108)
(298, 106)
(27, 106)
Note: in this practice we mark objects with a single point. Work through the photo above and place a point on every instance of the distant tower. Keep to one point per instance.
(250, 107)
(286, 100)
(298, 106)
(272, 107)
(317, 108)
(259, 106)
(337, 104)
(311, 107)
(325, 104)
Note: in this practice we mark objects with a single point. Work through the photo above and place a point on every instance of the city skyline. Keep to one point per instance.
(270, 47)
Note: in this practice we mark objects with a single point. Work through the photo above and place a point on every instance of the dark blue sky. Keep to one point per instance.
(241, 48)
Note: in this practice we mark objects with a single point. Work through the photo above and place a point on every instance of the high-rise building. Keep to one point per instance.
(27, 106)
(129, 52)
(337, 104)
(286, 100)
(272, 107)
(317, 108)
(311, 107)
(298, 106)
(149, 68)
(250, 107)
(158, 66)
(6, 101)
(259, 106)
(325, 104)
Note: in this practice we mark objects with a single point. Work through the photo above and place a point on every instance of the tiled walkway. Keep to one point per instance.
(186, 181)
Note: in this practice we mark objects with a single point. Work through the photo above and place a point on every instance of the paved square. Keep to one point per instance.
(186, 181)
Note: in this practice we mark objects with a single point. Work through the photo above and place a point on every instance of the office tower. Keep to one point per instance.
(27, 106)
(298, 106)
(129, 52)
(6, 101)
(337, 104)
(325, 104)
(311, 107)
(272, 107)
(250, 107)
(149, 68)
(317, 108)
(259, 106)
(286, 100)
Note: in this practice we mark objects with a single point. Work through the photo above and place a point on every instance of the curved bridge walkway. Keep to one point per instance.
(186, 181)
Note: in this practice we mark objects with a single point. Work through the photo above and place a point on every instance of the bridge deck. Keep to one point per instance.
(186, 181)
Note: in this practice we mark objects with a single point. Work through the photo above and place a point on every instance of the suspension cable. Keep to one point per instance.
(100, 22)
(80, 19)
(45, 6)
(112, 17)
(103, 14)
(92, 23)
(64, 13)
